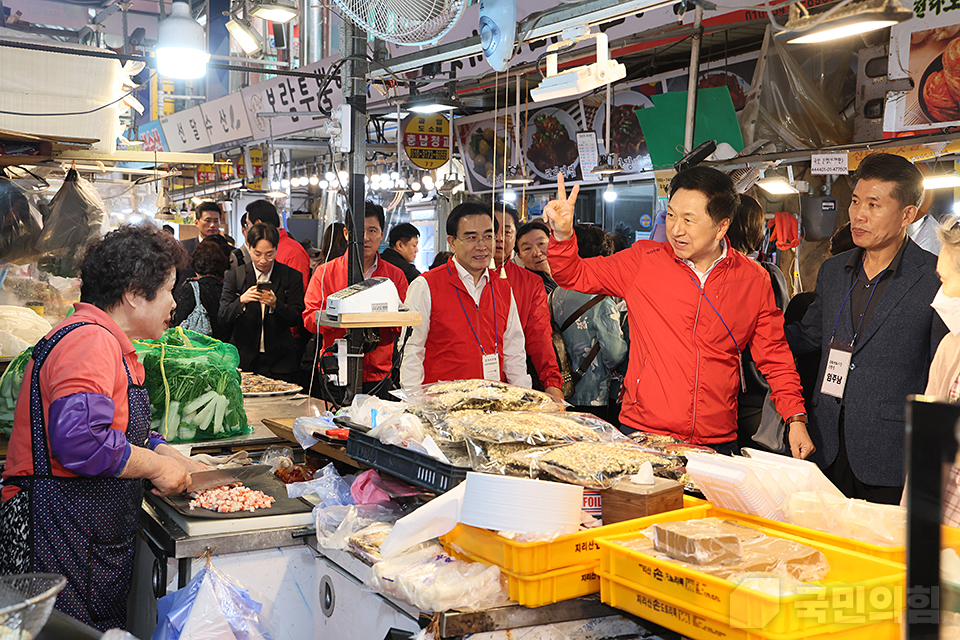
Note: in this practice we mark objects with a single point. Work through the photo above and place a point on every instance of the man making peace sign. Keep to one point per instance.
(694, 306)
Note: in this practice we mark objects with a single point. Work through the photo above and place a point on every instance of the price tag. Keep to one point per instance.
(838, 366)
(491, 367)
(823, 164)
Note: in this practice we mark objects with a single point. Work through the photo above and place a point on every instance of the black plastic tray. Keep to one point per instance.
(411, 467)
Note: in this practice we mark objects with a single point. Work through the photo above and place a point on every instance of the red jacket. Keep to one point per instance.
(291, 253)
(683, 377)
(452, 351)
(331, 277)
(534, 315)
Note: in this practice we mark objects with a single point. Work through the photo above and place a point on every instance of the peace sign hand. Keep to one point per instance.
(559, 213)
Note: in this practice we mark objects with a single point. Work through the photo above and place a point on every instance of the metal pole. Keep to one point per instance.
(692, 80)
(353, 44)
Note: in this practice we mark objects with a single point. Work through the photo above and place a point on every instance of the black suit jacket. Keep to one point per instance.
(242, 322)
(397, 260)
(890, 361)
(190, 244)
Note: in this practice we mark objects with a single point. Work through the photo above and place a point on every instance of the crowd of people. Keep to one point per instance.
(544, 303)
(710, 352)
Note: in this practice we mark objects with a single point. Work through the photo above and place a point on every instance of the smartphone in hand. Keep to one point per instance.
(264, 286)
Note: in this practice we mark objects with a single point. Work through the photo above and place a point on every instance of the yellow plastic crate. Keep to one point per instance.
(856, 582)
(534, 558)
(694, 623)
(893, 554)
(690, 501)
(546, 588)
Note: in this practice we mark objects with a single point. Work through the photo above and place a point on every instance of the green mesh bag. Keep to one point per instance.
(194, 386)
(10, 389)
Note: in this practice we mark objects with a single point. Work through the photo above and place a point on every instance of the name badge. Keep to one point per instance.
(838, 367)
(491, 367)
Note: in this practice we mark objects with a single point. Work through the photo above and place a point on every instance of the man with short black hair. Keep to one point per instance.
(208, 216)
(469, 323)
(261, 302)
(332, 276)
(876, 333)
(289, 251)
(701, 305)
(402, 248)
(241, 254)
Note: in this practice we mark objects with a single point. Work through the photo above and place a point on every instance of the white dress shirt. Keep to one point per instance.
(419, 300)
(703, 275)
(263, 277)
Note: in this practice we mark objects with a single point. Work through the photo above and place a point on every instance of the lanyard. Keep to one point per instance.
(847, 297)
(730, 333)
(492, 295)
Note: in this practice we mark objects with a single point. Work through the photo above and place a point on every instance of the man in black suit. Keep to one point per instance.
(404, 241)
(208, 216)
(872, 324)
(261, 300)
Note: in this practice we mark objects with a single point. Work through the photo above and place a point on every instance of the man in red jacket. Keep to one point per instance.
(331, 277)
(531, 300)
(698, 305)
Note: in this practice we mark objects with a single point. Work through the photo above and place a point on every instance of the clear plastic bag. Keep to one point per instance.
(879, 524)
(596, 465)
(212, 606)
(533, 428)
(727, 550)
(77, 215)
(24, 323)
(401, 429)
(433, 581)
(439, 398)
(20, 224)
(194, 386)
(332, 489)
(335, 525)
(370, 411)
(506, 459)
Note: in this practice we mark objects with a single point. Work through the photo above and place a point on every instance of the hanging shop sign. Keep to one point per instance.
(291, 96)
(225, 120)
(426, 140)
(927, 50)
(185, 131)
(215, 173)
(151, 135)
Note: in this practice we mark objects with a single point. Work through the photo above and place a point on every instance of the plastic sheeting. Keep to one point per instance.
(793, 107)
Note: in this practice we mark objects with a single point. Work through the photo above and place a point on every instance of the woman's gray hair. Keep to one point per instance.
(949, 235)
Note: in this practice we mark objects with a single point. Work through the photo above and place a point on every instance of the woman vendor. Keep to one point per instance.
(81, 441)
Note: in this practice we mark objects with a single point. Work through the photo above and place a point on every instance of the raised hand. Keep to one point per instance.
(559, 213)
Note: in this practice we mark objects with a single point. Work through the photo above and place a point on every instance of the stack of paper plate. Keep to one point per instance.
(520, 505)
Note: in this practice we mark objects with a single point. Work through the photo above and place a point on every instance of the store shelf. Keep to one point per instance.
(372, 320)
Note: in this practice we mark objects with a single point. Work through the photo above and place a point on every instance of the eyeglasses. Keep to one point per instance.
(472, 239)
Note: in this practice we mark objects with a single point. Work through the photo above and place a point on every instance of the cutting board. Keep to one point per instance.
(285, 511)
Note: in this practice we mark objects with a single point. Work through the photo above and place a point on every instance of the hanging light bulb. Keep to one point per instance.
(428, 182)
(343, 176)
(323, 184)
(330, 176)
(181, 48)
(284, 183)
(415, 185)
(609, 195)
(314, 180)
(394, 176)
(510, 195)
(294, 182)
(275, 185)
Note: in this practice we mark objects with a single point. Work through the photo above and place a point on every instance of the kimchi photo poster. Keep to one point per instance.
(927, 50)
